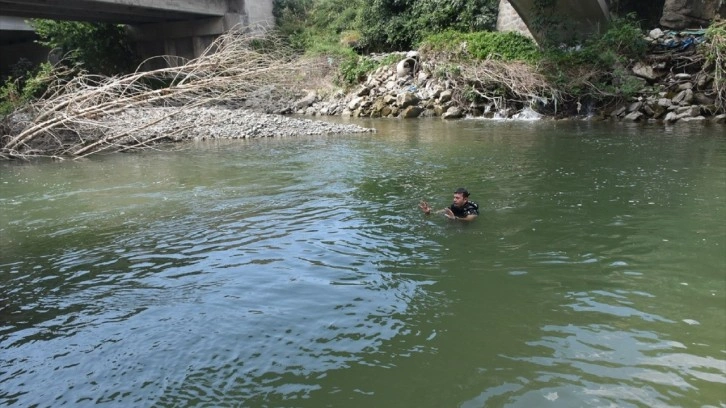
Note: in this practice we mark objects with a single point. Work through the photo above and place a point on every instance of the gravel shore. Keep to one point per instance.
(219, 123)
(142, 127)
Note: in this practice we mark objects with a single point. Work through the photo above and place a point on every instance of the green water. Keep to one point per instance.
(299, 272)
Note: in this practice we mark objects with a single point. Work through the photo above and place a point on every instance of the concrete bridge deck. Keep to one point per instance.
(116, 11)
(182, 28)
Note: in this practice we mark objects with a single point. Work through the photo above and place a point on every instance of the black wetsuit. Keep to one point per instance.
(469, 208)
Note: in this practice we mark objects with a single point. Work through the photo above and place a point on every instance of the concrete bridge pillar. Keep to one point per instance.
(563, 19)
(509, 20)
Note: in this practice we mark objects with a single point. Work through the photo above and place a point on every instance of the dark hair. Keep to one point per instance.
(462, 191)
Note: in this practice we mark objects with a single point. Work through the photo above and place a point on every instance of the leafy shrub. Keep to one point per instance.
(507, 46)
(382, 25)
(354, 68)
(399, 25)
(623, 37)
(17, 91)
(598, 68)
(311, 24)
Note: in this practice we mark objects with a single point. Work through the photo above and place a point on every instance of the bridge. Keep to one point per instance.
(185, 28)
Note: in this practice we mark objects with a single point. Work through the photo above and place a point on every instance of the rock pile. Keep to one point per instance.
(674, 87)
(402, 90)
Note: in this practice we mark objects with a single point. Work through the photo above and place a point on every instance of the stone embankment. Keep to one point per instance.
(672, 90)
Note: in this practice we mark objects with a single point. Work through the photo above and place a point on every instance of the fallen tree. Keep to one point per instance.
(75, 117)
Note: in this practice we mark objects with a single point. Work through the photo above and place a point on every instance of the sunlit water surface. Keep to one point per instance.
(298, 272)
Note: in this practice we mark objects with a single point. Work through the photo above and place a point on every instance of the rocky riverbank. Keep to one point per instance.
(674, 85)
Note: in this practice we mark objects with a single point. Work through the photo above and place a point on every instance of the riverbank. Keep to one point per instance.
(224, 94)
(674, 82)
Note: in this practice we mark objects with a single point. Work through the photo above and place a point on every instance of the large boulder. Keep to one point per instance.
(380, 108)
(407, 99)
(411, 112)
(633, 116)
(454, 112)
(646, 72)
(680, 14)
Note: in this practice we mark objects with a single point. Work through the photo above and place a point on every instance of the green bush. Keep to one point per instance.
(507, 46)
(354, 69)
(714, 50)
(18, 90)
(383, 25)
(624, 37)
(599, 67)
(399, 25)
(311, 24)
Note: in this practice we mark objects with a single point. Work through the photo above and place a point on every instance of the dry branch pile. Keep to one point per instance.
(76, 118)
(512, 81)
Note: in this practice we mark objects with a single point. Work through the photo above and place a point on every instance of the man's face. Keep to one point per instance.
(459, 199)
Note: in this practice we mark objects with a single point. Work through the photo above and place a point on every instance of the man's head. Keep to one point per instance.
(461, 196)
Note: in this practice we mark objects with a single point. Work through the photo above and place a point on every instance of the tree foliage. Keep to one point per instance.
(402, 24)
(504, 46)
(380, 25)
(315, 24)
(98, 48)
(26, 83)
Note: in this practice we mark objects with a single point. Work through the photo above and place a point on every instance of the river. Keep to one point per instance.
(299, 272)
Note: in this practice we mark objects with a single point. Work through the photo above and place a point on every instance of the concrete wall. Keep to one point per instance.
(509, 20)
(115, 11)
(258, 13)
(576, 18)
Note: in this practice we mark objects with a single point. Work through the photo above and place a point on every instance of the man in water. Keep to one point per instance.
(461, 209)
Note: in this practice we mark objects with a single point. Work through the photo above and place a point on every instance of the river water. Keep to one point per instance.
(299, 272)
